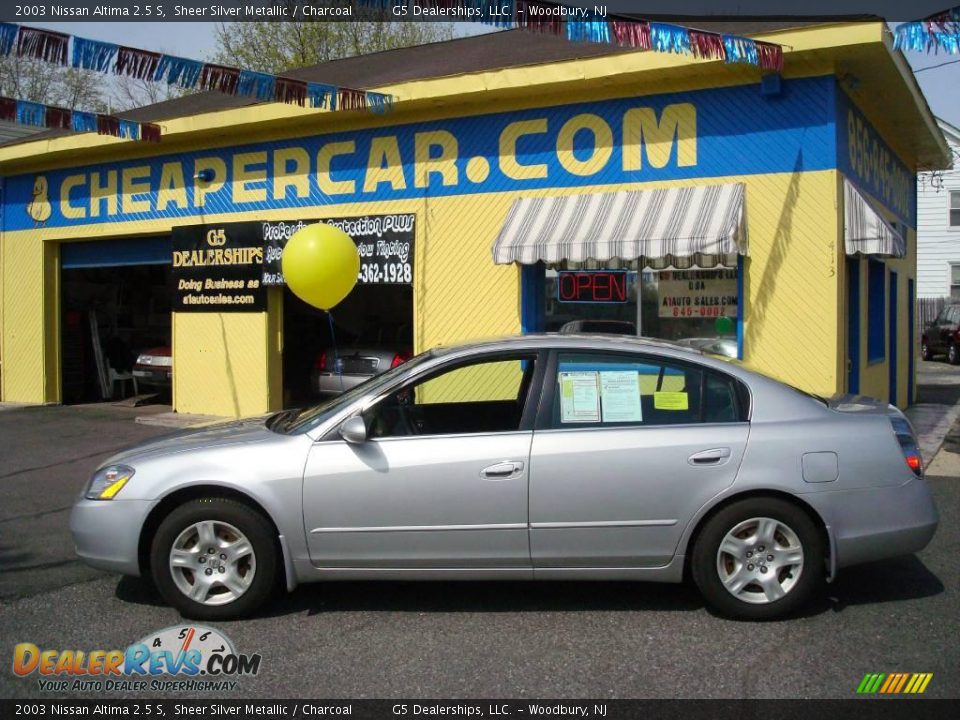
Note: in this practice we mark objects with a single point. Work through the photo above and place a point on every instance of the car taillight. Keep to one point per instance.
(321, 362)
(399, 359)
(908, 443)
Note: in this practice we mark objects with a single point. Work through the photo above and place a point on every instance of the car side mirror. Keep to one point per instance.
(354, 430)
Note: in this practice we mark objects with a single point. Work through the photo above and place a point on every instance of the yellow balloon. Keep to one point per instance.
(320, 264)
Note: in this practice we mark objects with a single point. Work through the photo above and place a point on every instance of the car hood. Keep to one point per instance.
(245, 432)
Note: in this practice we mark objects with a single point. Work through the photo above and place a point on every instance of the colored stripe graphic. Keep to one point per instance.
(894, 683)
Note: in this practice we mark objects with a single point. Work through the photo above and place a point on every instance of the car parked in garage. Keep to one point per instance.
(942, 336)
(539, 457)
(154, 367)
(338, 370)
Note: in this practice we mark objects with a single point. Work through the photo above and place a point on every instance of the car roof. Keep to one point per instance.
(590, 341)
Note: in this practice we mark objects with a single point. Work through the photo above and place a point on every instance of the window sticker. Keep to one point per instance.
(670, 401)
(620, 396)
(579, 397)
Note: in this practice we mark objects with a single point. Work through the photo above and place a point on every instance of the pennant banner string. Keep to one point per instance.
(936, 32)
(105, 57)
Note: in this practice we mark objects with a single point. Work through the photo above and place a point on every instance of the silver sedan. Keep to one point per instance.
(539, 457)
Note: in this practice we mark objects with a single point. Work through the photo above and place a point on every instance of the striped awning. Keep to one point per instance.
(864, 230)
(677, 226)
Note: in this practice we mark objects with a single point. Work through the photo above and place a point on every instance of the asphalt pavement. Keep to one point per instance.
(460, 639)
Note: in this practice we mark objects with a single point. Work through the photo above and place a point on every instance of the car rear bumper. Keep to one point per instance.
(332, 384)
(106, 533)
(878, 523)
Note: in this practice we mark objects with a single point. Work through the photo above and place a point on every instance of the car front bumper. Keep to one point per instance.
(106, 533)
(153, 376)
(877, 523)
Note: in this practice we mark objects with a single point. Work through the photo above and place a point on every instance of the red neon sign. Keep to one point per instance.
(592, 286)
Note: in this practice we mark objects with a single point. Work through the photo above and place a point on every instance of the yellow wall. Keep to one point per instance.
(229, 363)
(30, 367)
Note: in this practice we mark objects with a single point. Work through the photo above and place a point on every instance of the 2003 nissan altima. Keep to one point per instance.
(537, 457)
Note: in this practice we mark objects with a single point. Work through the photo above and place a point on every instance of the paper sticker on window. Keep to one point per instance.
(670, 401)
(579, 397)
(620, 396)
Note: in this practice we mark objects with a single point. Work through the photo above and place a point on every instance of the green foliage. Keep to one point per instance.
(275, 47)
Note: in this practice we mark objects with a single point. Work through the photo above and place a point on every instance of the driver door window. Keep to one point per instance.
(486, 396)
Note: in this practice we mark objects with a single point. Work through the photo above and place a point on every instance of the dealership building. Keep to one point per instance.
(520, 183)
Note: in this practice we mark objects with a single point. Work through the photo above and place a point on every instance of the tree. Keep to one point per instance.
(38, 81)
(274, 47)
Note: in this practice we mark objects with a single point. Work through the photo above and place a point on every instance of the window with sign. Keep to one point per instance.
(698, 306)
(484, 396)
(955, 208)
(606, 389)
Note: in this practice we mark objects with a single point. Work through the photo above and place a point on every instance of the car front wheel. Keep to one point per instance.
(953, 354)
(758, 559)
(925, 352)
(214, 559)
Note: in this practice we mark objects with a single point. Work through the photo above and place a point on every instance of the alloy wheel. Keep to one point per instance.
(760, 560)
(212, 562)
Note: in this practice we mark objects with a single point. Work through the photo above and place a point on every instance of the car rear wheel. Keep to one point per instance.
(953, 354)
(214, 559)
(758, 559)
(925, 352)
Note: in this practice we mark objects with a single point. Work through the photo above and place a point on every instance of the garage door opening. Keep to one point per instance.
(115, 310)
(372, 332)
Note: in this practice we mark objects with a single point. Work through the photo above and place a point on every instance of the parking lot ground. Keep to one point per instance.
(455, 640)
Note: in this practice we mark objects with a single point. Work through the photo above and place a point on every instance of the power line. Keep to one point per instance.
(934, 67)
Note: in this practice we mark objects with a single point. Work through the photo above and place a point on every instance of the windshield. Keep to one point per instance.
(298, 420)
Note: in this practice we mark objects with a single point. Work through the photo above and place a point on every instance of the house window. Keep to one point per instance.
(876, 295)
(955, 282)
(955, 208)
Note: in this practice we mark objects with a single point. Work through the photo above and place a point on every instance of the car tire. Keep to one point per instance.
(953, 354)
(761, 588)
(925, 352)
(233, 581)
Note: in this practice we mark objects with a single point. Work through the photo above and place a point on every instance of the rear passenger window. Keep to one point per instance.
(619, 390)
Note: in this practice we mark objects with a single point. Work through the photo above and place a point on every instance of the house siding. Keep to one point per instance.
(938, 245)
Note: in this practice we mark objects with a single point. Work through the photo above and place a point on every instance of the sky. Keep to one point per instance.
(940, 85)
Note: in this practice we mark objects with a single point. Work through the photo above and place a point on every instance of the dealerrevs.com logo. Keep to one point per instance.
(198, 658)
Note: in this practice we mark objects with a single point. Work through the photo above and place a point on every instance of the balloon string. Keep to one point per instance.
(336, 358)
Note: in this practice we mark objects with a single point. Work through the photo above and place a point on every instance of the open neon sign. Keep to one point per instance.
(592, 286)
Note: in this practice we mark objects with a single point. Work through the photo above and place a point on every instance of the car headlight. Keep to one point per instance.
(108, 481)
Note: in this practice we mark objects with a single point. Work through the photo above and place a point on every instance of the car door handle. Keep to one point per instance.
(709, 457)
(501, 470)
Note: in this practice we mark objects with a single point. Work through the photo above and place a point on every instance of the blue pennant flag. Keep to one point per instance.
(31, 113)
(594, 30)
(93, 54)
(322, 96)
(129, 129)
(178, 71)
(379, 103)
(669, 38)
(741, 50)
(83, 121)
(257, 84)
(8, 36)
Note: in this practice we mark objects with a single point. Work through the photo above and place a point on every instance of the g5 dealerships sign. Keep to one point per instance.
(218, 268)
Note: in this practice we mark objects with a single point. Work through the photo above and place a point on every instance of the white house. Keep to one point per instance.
(938, 225)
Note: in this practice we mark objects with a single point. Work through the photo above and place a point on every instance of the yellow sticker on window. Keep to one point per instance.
(670, 401)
